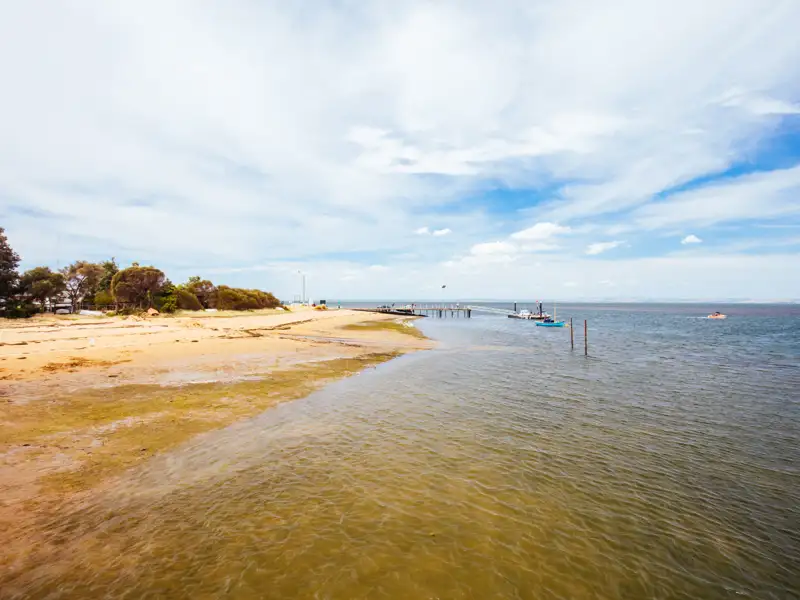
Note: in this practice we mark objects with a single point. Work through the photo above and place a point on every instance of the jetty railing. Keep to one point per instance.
(424, 310)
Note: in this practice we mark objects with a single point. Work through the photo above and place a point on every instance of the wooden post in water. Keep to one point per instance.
(585, 338)
(571, 335)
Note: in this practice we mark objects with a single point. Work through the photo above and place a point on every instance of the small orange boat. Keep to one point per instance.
(717, 315)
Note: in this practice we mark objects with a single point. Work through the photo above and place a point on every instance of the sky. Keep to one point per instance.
(531, 149)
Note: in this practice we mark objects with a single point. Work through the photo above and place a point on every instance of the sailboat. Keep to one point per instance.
(551, 322)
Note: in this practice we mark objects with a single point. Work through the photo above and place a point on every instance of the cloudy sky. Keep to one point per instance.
(559, 149)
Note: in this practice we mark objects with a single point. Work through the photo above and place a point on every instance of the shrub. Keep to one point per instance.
(168, 304)
(229, 298)
(103, 298)
(186, 300)
(20, 310)
(166, 301)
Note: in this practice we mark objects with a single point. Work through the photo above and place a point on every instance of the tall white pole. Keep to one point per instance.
(302, 286)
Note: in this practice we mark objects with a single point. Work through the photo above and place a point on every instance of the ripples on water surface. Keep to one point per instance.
(498, 466)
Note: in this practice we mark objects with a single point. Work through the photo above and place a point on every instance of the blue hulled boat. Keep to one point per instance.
(551, 322)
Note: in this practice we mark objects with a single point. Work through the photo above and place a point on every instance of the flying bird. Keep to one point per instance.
(444, 286)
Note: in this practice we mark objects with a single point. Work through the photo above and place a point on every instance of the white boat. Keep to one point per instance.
(528, 315)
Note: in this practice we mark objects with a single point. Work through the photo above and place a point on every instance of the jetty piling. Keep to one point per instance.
(571, 335)
(585, 337)
(423, 310)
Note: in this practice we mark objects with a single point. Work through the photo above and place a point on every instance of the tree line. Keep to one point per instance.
(105, 285)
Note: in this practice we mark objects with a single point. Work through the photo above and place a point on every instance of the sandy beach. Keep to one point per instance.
(51, 354)
(85, 398)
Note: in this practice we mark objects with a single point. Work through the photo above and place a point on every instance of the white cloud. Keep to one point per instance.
(540, 232)
(539, 247)
(493, 248)
(435, 232)
(759, 195)
(600, 247)
(499, 252)
(758, 104)
(568, 133)
(691, 239)
(169, 132)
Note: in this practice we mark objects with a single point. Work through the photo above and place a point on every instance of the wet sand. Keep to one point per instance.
(84, 399)
(54, 352)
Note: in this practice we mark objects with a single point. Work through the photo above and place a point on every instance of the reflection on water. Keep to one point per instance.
(499, 466)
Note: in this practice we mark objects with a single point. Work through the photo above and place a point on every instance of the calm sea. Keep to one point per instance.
(500, 465)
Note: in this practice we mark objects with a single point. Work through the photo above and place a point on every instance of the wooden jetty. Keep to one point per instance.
(458, 310)
(423, 310)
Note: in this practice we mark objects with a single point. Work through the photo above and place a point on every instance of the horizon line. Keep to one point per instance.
(582, 301)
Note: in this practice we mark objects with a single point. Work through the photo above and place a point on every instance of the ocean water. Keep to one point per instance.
(500, 465)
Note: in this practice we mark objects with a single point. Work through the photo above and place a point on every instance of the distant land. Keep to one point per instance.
(580, 301)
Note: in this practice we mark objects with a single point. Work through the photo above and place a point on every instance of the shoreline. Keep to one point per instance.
(95, 397)
(52, 355)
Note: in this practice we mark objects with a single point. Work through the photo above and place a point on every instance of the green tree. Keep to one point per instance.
(100, 292)
(203, 290)
(9, 261)
(137, 285)
(80, 278)
(41, 285)
(110, 268)
(166, 299)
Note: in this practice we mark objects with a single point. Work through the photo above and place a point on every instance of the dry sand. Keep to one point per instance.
(84, 398)
(58, 354)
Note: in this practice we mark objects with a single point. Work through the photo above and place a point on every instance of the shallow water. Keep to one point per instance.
(501, 465)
